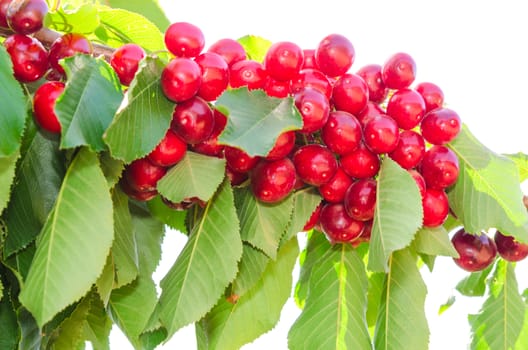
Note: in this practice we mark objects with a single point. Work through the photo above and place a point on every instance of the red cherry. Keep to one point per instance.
(283, 60)
(314, 108)
(142, 196)
(215, 75)
(440, 126)
(371, 110)
(334, 55)
(248, 73)
(509, 248)
(350, 93)
(435, 207)
(44, 105)
(184, 39)
(365, 234)
(125, 61)
(337, 225)
(309, 59)
(272, 181)
(410, 149)
(360, 199)
(476, 252)
(277, 88)
(4, 4)
(381, 134)
(68, 45)
(432, 94)
(29, 57)
(236, 178)
(181, 79)
(360, 163)
(238, 159)
(371, 74)
(420, 182)
(283, 146)
(313, 78)
(169, 151)
(399, 71)
(315, 164)
(142, 175)
(314, 218)
(334, 190)
(211, 146)
(231, 50)
(26, 16)
(439, 167)
(342, 132)
(407, 107)
(193, 120)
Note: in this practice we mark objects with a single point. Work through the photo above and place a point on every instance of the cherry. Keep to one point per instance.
(142, 196)
(350, 93)
(476, 252)
(238, 159)
(360, 163)
(184, 39)
(215, 75)
(169, 151)
(28, 55)
(44, 105)
(193, 120)
(236, 178)
(142, 175)
(439, 167)
(371, 110)
(314, 108)
(337, 225)
(420, 182)
(283, 60)
(26, 16)
(334, 190)
(334, 55)
(371, 74)
(277, 88)
(4, 4)
(381, 134)
(364, 237)
(509, 248)
(440, 126)
(125, 62)
(435, 207)
(68, 45)
(314, 78)
(211, 146)
(342, 132)
(248, 73)
(283, 146)
(410, 149)
(181, 79)
(272, 181)
(407, 107)
(432, 94)
(315, 164)
(231, 50)
(360, 199)
(399, 71)
(313, 220)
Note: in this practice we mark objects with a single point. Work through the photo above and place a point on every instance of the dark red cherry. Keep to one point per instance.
(171, 149)
(420, 182)
(68, 45)
(360, 163)
(309, 59)
(381, 134)
(277, 88)
(211, 146)
(44, 101)
(230, 50)
(399, 71)
(435, 207)
(142, 175)
(440, 126)
(184, 39)
(509, 248)
(283, 60)
(283, 146)
(125, 61)
(371, 110)
(313, 78)
(350, 93)
(193, 120)
(315, 164)
(334, 190)
(432, 94)
(238, 159)
(314, 108)
(407, 107)
(360, 199)
(28, 56)
(181, 79)
(26, 16)
(248, 73)
(4, 4)
(439, 167)
(410, 149)
(342, 132)
(141, 196)
(371, 74)
(335, 55)
(337, 225)
(476, 251)
(215, 75)
(272, 181)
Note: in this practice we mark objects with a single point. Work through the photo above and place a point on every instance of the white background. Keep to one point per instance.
(476, 51)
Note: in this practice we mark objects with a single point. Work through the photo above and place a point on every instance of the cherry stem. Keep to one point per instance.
(525, 201)
(47, 37)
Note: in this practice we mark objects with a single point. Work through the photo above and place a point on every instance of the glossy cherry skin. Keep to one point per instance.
(509, 248)
(435, 207)
(399, 71)
(26, 16)
(314, 108)
(283, 146)
(350, 93)
(476, 252)
(238, 160)
(215, 75)
(193, 120)
(211, 146)
(142, 196)
(29, 57)
(420, 182)
(440, 126)
(184, 39)
(407, 107)
(313, 220)
(360, 199)
(371, 110)
(315, 164)
(4, 4)
(277, 88)
(231, 50)
(236, 178)
(181, 79)
(334, 190)
(283, 60)
(342, 132)
(337, 225)
(248, 73)
(432, 95)
(381, 134)
(313, 78)
(439, 167)
(44, 101)
(309, 59)
(371, 74)
(334, 55)
(272, 181)
(171, 149)
(142, 175)
(125, 62)
(410, 149)
(68, 45)
(360, 163)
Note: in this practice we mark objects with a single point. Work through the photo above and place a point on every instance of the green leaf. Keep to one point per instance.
(170, 217)
(7, 175)
(434, 241)
(255, 120)
(1, 289)
(487, 193)
(13, 111)
(262, 225)
(151, 9)
(334, 314)
(82, 19)
(71, 250)
(521, 160)
(10, 332)
(30, 335)
(229, 326)
(255, 46)
(305, 202)
(474, 285)
(70, 332)
(376, 287)
(398, 214)
(401, 320)
(206, 265)
(144, 118)
(151, 340)
(20, 262)
(112, 168)
(119, 27)
(97, 326)
(38, 180)
(500, 320)
(82, 119)
(250, 269)
(445, 306)
(105, 281)
(196, 175)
